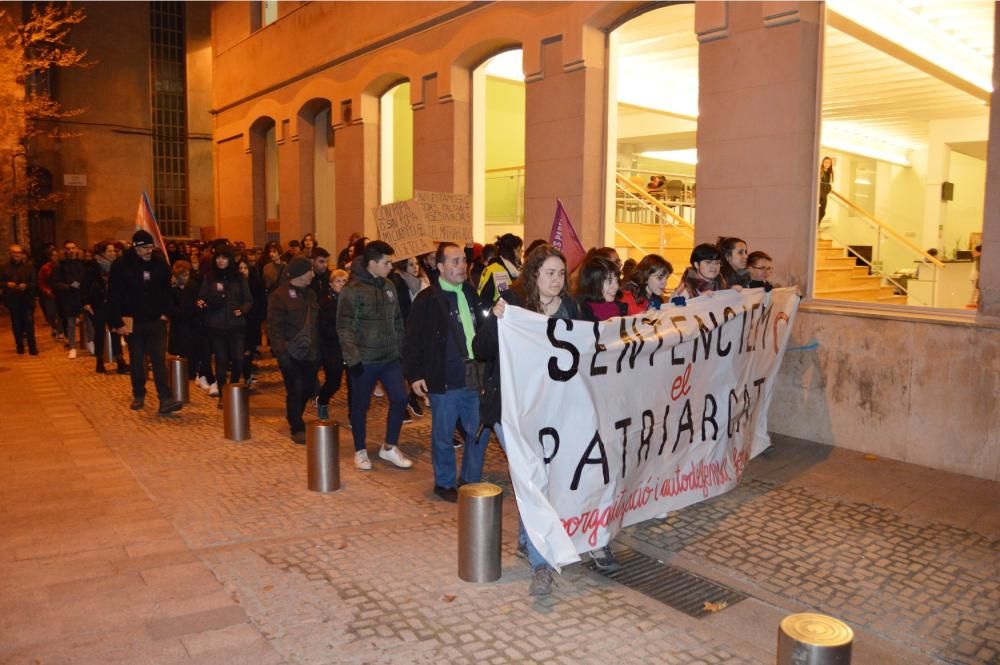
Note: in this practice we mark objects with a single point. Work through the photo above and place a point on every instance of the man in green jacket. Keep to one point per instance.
(370, 327)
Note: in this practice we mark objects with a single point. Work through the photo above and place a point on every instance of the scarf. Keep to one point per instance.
(103, 264)
(464, 313)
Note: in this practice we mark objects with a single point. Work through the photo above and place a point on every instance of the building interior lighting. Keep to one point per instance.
(689, 156)
(507, 65)
(844, 137)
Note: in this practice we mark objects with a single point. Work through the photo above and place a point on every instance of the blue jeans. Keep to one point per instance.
(534, 556)
(391, 375)
(446, 408)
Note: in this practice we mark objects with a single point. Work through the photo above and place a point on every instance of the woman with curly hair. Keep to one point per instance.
(541, 288)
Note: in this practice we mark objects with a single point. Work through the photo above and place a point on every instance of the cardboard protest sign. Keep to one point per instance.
(609, 424)
(401, 225)
(446, 216)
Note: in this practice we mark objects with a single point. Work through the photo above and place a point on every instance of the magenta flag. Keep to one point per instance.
(563, 237)
(146, 220)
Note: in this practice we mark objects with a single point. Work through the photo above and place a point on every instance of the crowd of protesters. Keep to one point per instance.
(420, 330)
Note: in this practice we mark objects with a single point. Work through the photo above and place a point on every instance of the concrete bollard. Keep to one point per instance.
(323, 456)
(480, 518)
(814, 639)
(177, 375)
(235, 412)
(109, 353)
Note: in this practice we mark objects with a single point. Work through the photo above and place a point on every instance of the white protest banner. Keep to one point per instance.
(400, 224)
(609, 424)
(447, 217)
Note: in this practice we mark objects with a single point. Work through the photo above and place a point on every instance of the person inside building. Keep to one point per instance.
(734, 261)
(825, 184)
(541, 288)
(19, 284)
(502, 270)
(293, 332)
(644, 289)
(437, 352)
(370, 327)
(139, 287)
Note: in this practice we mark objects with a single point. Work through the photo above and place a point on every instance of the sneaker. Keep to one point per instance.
(72, 354)
(323, 411)
(541, 582)
(299, 438)
(169, 406)
(213, 390)
(604, 560)
(202, 383)
(457, 441)
(137, 404)
(449, 494)
(378, 391)
(361, 460)
(90, 348)
(407, 419)
(395, 456)
(522, 550)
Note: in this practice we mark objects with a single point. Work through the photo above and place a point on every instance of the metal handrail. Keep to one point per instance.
(641, 195)
(882, 274)
(631, 242)
(889, 231)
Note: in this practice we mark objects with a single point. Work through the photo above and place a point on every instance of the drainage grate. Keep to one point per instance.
(672, 586)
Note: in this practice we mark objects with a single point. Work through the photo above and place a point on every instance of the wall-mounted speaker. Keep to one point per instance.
(947, 191)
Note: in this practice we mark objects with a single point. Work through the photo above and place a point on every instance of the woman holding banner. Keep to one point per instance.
(541, 288)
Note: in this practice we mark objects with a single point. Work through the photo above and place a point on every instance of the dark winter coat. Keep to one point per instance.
(138, 288)
(71, 298)
(288, 308)
(429, 349)
(369, 322)
(486, 346)
(19, 273)
(224, 292)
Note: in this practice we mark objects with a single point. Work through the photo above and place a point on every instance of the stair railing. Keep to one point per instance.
(661, 212)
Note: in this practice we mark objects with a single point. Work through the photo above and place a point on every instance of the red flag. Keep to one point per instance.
(563, 237)
(146, 220)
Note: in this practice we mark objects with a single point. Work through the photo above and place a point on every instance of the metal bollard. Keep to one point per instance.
(323, 455)
(235, 412)
(177, 375)
(109, 354)
(814, 639)
(480, 517)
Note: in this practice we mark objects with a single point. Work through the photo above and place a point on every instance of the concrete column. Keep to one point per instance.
(989, 265)
(757, 131)
(234, 192)
(290, 173)
(442, 131)
(356, 176)
(564, 142)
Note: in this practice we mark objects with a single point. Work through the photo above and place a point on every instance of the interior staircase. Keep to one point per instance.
(838, 277)
(668, 241)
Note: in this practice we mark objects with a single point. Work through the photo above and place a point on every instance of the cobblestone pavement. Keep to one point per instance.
(130, 537)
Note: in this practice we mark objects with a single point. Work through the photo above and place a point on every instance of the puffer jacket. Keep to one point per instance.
(369, 322)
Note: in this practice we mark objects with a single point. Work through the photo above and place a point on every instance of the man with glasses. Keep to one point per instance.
(759, 265)
(139, 300)
(17, 280)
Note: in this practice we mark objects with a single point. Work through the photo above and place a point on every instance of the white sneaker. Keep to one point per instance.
(213, 390)
(395, 456)
(378, 391)
(72, 353)
(361, 460)
(202, 383)
(90, 348)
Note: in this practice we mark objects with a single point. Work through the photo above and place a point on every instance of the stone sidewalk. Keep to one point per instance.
(133, 538)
